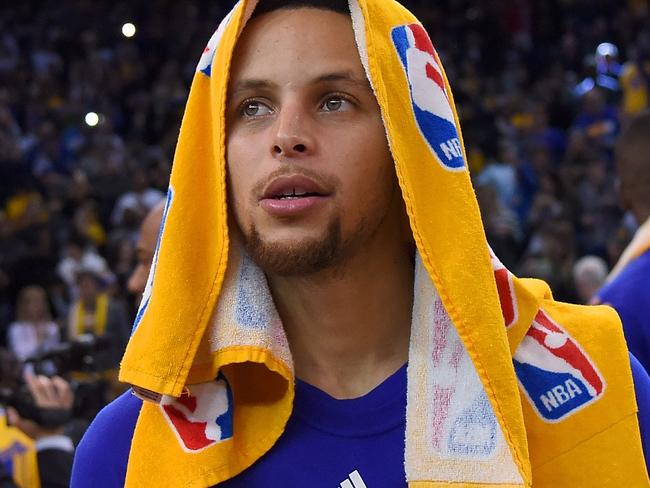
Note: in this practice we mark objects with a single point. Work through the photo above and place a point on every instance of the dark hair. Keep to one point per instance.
(266, 6)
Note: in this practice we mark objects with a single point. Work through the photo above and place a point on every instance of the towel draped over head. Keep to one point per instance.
(208, 347)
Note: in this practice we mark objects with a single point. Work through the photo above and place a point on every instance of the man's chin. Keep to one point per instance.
(294, 256)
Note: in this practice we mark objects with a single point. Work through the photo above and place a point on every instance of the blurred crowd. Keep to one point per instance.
(542, 87)
(73, 194)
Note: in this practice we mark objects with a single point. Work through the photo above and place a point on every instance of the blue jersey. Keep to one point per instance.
(629, 294)
(327, 443)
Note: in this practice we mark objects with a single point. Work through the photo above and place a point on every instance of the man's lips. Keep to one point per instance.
(293, 186)
(291, 195)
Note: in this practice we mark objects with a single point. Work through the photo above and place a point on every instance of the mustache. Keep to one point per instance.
(328, 182)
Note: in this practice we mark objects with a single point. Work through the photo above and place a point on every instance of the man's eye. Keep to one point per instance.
(255, 109)
(335, 104)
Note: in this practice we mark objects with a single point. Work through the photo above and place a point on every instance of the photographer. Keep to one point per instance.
(98, 314)
(53, 399)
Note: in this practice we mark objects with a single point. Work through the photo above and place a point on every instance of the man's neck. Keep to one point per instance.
(349, 328)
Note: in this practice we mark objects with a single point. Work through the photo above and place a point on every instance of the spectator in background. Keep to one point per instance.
(595, 197)
(95, 312)
(597, 120)
(501, 174)
(80, 256)
(606, 71)
(132, 206)
(628, 286)
(34, 331)
(501, 225)
(88, 225)
(589, 274)
(608, 68)
(54, 450)
(635, 77)
(145, 249)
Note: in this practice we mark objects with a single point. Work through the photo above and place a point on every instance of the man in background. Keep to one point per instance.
(627, 288)
(144, 250)
(589, 274)
(54, 450)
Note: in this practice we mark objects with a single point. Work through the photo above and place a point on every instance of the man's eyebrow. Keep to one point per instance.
(252, 84)
(248, 84)
(346, 76)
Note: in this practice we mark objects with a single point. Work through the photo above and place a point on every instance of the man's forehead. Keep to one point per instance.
(320, 42)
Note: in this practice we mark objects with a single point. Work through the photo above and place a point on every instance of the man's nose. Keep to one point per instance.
(293, 135)
(137, 280)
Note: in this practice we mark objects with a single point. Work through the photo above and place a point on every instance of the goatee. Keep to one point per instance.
(302, 257)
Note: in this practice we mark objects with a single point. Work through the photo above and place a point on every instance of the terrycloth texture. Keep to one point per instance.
(209, 344)
(451, 432)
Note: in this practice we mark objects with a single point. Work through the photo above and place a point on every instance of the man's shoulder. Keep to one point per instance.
(630, 280)
(629, 292)
(102, 455)
(123, 410)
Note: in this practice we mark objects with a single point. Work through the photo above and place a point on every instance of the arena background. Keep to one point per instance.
(89, 119)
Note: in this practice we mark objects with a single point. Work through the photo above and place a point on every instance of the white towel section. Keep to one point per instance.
(452, 433)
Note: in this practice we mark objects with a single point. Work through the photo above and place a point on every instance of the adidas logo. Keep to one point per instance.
(353, 480)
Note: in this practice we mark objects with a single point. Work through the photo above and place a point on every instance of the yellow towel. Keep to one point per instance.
(208, 342)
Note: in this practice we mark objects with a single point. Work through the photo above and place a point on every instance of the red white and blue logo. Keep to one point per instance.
(205, 62)
(430, 101)
(202, 416)
(506, 289)
(555, 373)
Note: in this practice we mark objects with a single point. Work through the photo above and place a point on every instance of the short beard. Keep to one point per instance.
(298, 258)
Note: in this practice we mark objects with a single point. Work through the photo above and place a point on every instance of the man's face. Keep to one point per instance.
(310, 175)
(88, 287)
(145, 250)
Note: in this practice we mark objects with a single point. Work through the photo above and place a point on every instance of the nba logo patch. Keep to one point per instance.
(205, 62)
(554, 372)
(429, 98)
(506, 290)
(202, 416)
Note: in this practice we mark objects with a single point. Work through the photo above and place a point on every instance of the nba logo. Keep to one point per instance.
(205, 62)
(202, 416)
(506, 290)
(554, 372)
(430, 102)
